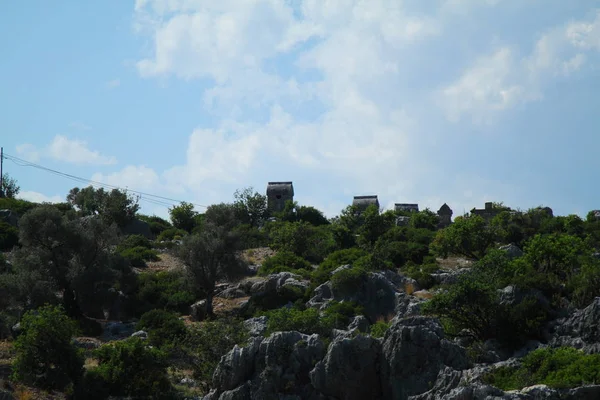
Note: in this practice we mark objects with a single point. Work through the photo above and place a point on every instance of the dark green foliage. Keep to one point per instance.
(115, 206)
(46, 357)
(284, 261)
(379, 328)
(132, 241)
(223, 215)
(425, 219)
(137, 256)
(210, 341)
(338, 315)
(293, 212)
(564, 367)
(250, 207)
(251, 237)
(16, 205)
(163, 290)
(183, 216)
(348, 281)
(422, 273)
(9, 236)
(157, 224)
(373, 225)
(467, 236)
(10, 188)
(129, 368)
(585, 285)
(163, 327)
(290, 319)
(312, 243)
(333, 261)
(171, 234)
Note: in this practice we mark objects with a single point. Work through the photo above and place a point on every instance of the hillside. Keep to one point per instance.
(242, 302)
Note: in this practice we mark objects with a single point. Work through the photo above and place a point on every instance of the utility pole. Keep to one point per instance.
(1, 172)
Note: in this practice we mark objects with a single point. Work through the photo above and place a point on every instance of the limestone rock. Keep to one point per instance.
(138, 227)
(512, 250)
(256, 326)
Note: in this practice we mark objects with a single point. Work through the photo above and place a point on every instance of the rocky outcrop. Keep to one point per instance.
(256, 326)
(512, 250)
(414, 353)
(580, 330)
(350, 369)
(10, 217)
(138, 227)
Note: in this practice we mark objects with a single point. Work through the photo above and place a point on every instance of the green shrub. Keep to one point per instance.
(563, 367)
(349, 280)
(210, 341)
(171, 234)
(290, 319)
(379, 328)
(157, 224)
(137, 256)
(46, 357)
(16, 205)
(163, 290)
(163, 327)
(338, 315)
(312, 243)
(421, 273)
(333, 261)
(9, 236)
(285, 261)
(133, 241)
(130, 368)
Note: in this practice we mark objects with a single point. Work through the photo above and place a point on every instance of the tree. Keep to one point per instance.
(251, 207)
(73, 255)
(183, 216)
(223, 215)
(115, 206)
(467, 236)
(9, 187)
(425, 219)
(211, 255)
(374, 224)
(45, 355)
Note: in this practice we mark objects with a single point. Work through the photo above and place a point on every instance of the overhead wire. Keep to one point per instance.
(147, 197)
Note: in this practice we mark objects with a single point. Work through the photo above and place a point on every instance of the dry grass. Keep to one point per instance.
(386, 318)
(223, 307)
(257, 256)
(423, 294)
(166, 262)
(409, 288)
(453, 263)
(22, 393)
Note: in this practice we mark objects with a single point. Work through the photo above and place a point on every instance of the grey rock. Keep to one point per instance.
(360, 324)
(256, 326)
(10, 217)
(407, 305)
(414, 352)
(138, 227)
(512, 250)
(198, 310)
(402, 221)
(188, 382)
(350, 370)
(237, 366)
(322, 295)
(449, 277)
(232, 293)
(143, 335)
(16, 330)
(116, 330)
(580, 330)
(340, 269)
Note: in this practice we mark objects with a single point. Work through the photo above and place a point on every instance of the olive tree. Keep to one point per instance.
(9, 187)
(211, 255)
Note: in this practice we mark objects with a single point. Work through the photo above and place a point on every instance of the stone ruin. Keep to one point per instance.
(487, 213)
(405, 207)
(363, 202)
(277, 195)
(445, 214)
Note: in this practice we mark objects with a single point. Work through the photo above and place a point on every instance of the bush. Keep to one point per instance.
(163, 290)
(212, 340)
(303, 239)
(163, 327)
(284, 261)
(335, 260)
(9, 236)
(563, 367)
(133, 241)
(129, 368)
(291, 319)
(171, 234)
(379, 328)
(349, 280)
(157, 224)
(338, 315)
(137, 256)
(46, 357)
(16, 205)
(422, 273)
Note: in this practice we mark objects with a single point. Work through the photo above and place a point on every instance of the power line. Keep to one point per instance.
(148, 197)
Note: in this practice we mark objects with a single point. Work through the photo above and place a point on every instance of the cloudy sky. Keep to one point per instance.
(425, 101)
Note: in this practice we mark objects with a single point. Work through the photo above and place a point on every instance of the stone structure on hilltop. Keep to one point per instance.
(278, 193)
(445, 214)
(487, 213)
(362, 202)
(398, 207)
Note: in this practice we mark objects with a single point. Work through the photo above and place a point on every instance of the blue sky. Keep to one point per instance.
(457, 101)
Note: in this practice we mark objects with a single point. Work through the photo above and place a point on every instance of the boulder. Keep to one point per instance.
(198, 311)
(350, 369)
(414, 352)
(116, 330)
(10, 217)
(322, 295)
(580, 330)
(138, 227)
(512, 250)
(143, 335)
(359, 324)
(256, 326)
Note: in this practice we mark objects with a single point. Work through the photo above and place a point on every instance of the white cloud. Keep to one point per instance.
(63, 149)
(139, 178)
(503, 79)
(80, 126)
(351, 64)
(39, 197)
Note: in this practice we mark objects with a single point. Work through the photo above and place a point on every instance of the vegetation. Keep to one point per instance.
(9, 188)
(183, 216)
(115, 206)
(558, 368)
